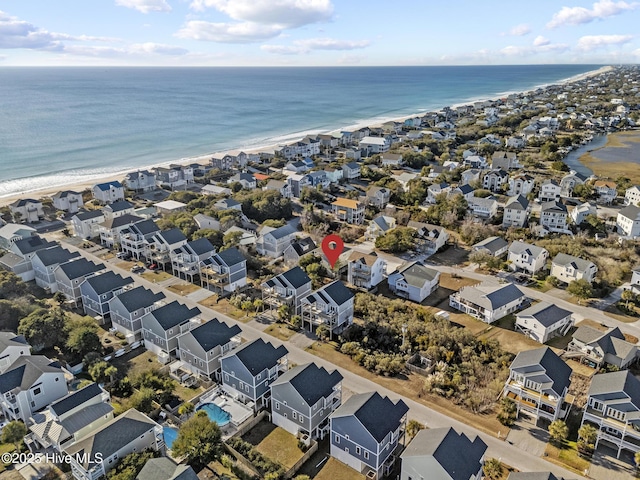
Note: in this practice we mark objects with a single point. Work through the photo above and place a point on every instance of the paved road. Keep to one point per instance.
(508, 453)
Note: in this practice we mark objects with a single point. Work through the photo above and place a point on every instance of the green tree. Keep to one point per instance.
(492, 468)
(143, 399)
(558, 431)
(59, 297)
(231, 240)
(413, 427)
(508, 412)
(323, 332)
(83, 340)
(400, 239)
(129, 467)
(44, 328)
(581, 289)
(628, 296)
(14, 432)
(199, 440)
(588, 433)
(284, 313)
(101, 371)
(187, 408)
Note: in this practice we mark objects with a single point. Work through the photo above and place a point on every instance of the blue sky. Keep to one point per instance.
(317, 32)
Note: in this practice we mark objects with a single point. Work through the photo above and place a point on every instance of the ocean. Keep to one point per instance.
(66, 125)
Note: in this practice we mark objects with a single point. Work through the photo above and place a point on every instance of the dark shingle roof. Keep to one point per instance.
(379, 415)
(25, 371)
(75, 399)
(310, 381)
(456, 453)
(164, 469)
(172, 236)
(33, 244)
(416, 274)
(231, 256)
(108, 185)
(107, 282)
(545, 313)
(9, 339)
(282, 231)
(296, 277)
(80, 268)
(145, 227)
(119, 206)
(200, 246)
(615, 382)
(89, 215)
(258, 355)
(122, 220)
(555, 368)
(493, 244)
(173, 314)
(138, 298)
(55, 255)
(213, 333)
(337, 292)
(517, 203)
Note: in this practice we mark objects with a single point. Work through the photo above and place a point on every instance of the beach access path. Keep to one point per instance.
(497, 448)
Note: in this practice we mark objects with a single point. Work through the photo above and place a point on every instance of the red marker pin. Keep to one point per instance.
(332, 246)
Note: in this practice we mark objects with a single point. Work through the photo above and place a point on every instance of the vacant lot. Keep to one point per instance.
(183, 288)
(280, 331)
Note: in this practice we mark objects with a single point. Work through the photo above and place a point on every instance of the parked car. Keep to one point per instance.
(137, 269)
(123, 255)
(152, 266)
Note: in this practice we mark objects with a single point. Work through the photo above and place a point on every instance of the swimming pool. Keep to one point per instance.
(169, 434)
(216, 414)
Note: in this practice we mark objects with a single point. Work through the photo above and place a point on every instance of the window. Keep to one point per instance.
(37, 391)
(337, 439)
(226, 377)
(294, 415)
(357, 450)
(259, 376)
(366, 455)
(347, 437)
(277, 406)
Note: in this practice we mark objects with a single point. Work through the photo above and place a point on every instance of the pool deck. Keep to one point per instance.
(238, 411)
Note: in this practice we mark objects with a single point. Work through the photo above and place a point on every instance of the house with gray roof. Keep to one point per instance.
(95, 454)
(549, 191)
(201, 347)
(186, 260)
(494, 180)
(69, 419)
(526, 257)
(365, 270)
(568, 268)
(613, 408)
(12, 347)
(288, 288)
(111, 228)
(553, 216)
(378, 196)
(521, 184)
(351, 170)
(12, 232)
(538, 383)
(140, 181)
(134, 239)
(249, 370)
(331, 305)
(366, 431)
(379, 226)
(163, 468)
(97, 290)
(86, 224)
(162, 243)
(162, 326)
(68, 201)
(247, 180)
(430, 238)
(28, 385)
(597, 347)
(516, 212)
(20, 257)
(544, 321)
(46, 261)
(118, 209)
(628, 222)
(414, 281)
(272, 242)
(443, 454)
(494, 246)
(69, 276)
(225, 271)
(303, 398)
(488, 302)
(298, 249)
(485, 208)
(128, 307)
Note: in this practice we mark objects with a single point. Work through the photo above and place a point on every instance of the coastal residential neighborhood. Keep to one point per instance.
(481, 321)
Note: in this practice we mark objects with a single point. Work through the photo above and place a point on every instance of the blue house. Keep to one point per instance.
(96, 292)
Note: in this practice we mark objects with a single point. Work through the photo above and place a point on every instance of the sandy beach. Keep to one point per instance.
(203, 159)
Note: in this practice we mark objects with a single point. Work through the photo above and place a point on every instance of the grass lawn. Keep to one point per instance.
(135, 362)
(156, 276)
(275, 443)
(541, 286)
(280, 331)
(210, 301)
(107, 256)
(336, 470)
(567, 456)
(503, 331)
(4, 448)
(183, 288)
(410, 386)
(223, 306)
(613, 312)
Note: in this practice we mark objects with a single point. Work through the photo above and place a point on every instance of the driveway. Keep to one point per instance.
(605, 465)
(528, 437)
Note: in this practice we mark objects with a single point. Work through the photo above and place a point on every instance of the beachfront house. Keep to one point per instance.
(97, 290)
(28, 385)
(225, 271)
(26, 210)
(140, 181)
(68, 201)
(109, 192)
(443, 454)
(331, 305)
(488, 302)
(201, 347)
(538, 383)
(303, 398)
(249, 370)
(613, 407)
(414, 281)
(366, 431)
(568, 268)
(98, 452)
(69, 276)
(525, 257)
(111, 228)
(174, 177)
(596, 347)
(128, 307)
(628, 222)
(288, 288)
(365, 270)
(162, 326)
(516, 212)
(544, 321)
(347, 210)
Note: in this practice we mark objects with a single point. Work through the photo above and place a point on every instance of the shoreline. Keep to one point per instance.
(612, 169)
(285, 138)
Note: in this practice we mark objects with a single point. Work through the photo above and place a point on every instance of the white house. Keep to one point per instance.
(332, 305)
(414, 281)
(392, 160)
(568, 268)
(526, 257)
(494, 246)
(581, 212)
(553, 216)
(549, 191)
(109, 192)
(521, 184)
(68, 201)
(365, 270)
(12, 347)
(26, 210)
(628, 222)
(544, 321)
(86, 225)
(379, 226)
(632, 196)
(516, 212)
(375, 144)
(484, 207)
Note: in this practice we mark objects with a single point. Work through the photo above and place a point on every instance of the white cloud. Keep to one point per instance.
(593, 42)
(519, 30)
(137, 50)
(16, 33)
(246, 32)
(539, 41)
(306, 46)
(527, 51)
(285, 13)
(580, 15)
(145, 6)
